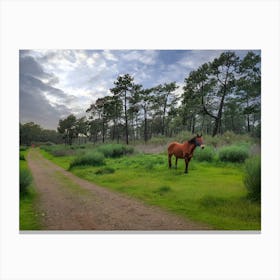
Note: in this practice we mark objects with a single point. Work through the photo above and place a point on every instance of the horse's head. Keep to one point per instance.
(199, 141)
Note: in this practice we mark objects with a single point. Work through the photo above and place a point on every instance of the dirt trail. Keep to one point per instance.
(67, 202)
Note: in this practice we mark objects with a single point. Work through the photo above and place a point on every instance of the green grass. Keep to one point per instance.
(212, 193)
(28, 218)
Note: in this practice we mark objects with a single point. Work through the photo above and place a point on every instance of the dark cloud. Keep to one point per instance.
(34, 106)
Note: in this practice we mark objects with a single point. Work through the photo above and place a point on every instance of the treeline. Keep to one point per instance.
(33, 133)
(221, 95)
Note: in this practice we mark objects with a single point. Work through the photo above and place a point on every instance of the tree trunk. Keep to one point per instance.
(218, 119)
(126, 120)
(103, 131)
(145, 127)
(193, 124)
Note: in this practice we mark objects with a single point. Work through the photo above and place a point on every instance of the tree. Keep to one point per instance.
(222, 77)
(146, 102)
(164, 99)
(134, 109)
(81, 127)
(67, 127)
(249, 87)
(123, 87)
(29, 132)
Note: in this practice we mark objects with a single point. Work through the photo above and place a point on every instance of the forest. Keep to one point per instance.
(221, 95)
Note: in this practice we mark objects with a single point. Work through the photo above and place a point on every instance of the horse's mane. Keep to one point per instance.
(192, 141)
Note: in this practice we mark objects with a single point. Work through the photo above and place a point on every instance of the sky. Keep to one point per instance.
(56, 83)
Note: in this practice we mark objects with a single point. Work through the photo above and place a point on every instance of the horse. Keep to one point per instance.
(184, 150)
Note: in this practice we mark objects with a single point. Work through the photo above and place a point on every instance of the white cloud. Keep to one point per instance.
(109, 55)
(145, 57)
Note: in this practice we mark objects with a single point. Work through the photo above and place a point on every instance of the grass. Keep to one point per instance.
(28, 218)
(252, 178)
(212, 193)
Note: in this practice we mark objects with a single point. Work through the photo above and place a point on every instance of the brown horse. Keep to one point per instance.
(184, 150)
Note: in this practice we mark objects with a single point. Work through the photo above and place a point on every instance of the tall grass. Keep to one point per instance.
(233, 153)
(25, 180)
(252, 178)
(93, 158)
(115, 150)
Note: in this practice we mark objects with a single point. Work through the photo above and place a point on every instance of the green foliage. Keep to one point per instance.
(93, 158)
(233, 153)
(29, 218)
(21, 156)
(115, 150)
(23, 148)
(252, 178)
(33, 133)
(25, 180)
(59, 150)
(207, 154)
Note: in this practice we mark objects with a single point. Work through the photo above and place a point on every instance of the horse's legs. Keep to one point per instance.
(176, 162)
(169, 160)
(187, 165)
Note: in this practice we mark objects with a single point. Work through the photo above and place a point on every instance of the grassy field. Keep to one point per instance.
(212, 192)
(28, 218)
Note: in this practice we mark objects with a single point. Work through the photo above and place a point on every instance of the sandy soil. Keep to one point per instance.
(67, 202)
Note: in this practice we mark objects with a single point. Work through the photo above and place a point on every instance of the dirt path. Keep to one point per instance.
(67, 202)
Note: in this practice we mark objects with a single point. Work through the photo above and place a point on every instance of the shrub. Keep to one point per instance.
(252, 177)
(59, 153)
(207, 154)
(21, 156)
(105, 170)
(233, 153)
(115, 150)
(25, 178)
(23, 148)
(94, 158)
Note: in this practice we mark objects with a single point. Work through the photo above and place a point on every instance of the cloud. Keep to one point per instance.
(145, 57)
(56, 83)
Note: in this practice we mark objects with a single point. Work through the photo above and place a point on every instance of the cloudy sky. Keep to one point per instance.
(56, 83)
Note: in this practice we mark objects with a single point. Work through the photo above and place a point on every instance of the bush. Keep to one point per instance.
(115, 150)
(25, 178)
(207, 154)
(233, 153)
(21, 156)
(252, 178)
(94, 158)
(23, 148)
(60, 153)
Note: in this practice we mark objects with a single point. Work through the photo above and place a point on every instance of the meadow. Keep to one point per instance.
(213, 192)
